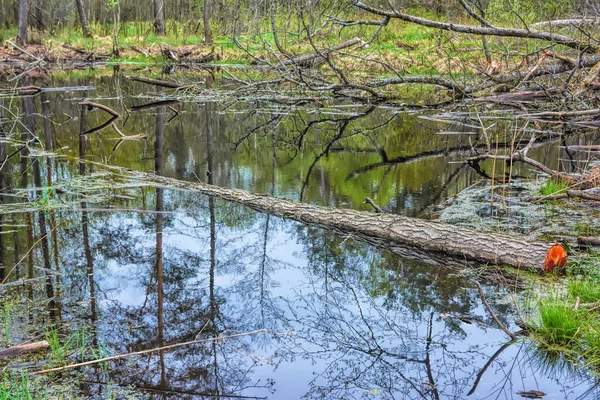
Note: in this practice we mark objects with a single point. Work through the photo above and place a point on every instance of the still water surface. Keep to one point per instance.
(136, 267)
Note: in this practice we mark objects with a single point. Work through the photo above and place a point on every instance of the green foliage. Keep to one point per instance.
(559, 323)
(553, 186)
(587, 290)
(570, 329)
(15, 386)
(517, 12)
(61, 348)
(586, 229)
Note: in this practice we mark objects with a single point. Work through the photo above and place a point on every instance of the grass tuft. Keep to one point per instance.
(559, 323)
(553, 186)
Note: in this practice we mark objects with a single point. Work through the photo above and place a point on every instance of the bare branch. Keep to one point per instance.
(476, 30)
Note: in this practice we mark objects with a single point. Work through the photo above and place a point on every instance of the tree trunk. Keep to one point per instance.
(159, 17)
(83, 18)
(387, 230)
(206, 16)
(39, 16)
(22, 32)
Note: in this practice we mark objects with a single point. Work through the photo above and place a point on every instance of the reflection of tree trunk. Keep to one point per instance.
(25, 135)
(213, 237)
(158, 262)
(266, 234)
(89, 260)
(47, 127)
(434, 390)
(3, 182)
(28, 133)
(321, 169)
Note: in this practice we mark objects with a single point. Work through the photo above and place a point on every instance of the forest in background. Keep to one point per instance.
(205, 18)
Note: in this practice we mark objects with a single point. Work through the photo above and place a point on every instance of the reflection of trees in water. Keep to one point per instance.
(369, 320)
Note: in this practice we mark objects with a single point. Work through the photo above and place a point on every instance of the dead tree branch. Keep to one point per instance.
(477, 30)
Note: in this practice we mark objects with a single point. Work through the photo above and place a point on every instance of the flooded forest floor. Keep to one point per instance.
(126, 288)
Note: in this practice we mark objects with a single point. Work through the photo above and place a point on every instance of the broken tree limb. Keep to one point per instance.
(155, 82)
(101, 107)
(312, 59)
(434, 237)
(24, 349)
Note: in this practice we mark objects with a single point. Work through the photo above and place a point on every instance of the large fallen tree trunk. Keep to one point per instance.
(469, 244)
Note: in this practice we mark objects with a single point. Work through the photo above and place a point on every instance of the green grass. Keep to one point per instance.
(553, 186)
(559, 323)
(587, 290)
(586, 229)
(15, 386)
(63, 347)
(568, 321)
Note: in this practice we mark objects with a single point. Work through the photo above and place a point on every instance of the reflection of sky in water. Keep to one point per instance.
(340, 342)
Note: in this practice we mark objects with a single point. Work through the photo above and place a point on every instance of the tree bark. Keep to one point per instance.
(159, 17)
(394, 230)
(22, 31)
(83, 18)
(206, 17)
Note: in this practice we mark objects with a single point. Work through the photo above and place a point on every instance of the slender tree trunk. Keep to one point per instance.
(116, 21)
(82, 18)
(206, 16)
(39, 17)
(159, 17)
(22, 33)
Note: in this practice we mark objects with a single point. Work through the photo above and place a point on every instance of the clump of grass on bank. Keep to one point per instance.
(569, 319)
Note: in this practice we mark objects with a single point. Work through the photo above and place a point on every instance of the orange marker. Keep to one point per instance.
(556, 258)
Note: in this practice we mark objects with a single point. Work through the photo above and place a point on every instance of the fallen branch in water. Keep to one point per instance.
(155, 82)
(101, 107)
(137, 353)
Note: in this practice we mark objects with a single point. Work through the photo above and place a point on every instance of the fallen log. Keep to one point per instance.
(432, 236)
(24, 349)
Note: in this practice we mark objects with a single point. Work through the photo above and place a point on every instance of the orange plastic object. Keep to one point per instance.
(556, 258)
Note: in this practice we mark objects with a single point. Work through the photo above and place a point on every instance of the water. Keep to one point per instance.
(131, 267)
